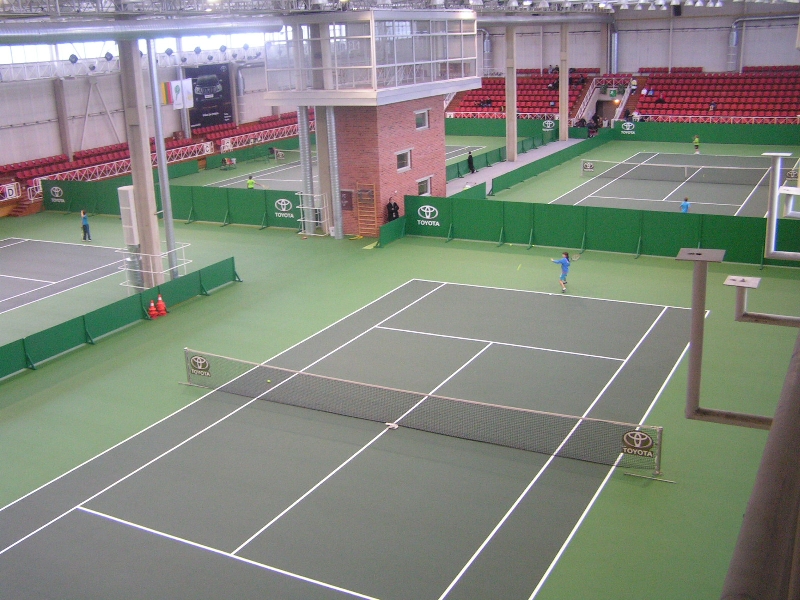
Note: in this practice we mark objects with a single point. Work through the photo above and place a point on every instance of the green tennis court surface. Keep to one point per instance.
(234, 496)
(725, 185)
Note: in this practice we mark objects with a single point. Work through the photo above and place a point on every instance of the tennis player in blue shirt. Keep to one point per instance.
(564, 262)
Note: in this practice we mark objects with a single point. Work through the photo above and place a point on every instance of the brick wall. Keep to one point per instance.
(368, 139)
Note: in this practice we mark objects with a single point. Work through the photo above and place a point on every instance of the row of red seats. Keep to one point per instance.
(30, 164)
(213, 128)
(253, 128)
(667, 70)
(773, 69)
(100, 150)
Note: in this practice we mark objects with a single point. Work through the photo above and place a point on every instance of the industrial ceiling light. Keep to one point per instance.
(197, 50)
(73, 59)
(223, 48)
(168, 52)
(543, 5)
(638, 6)
(109, 57)
(699, 3)
(651, 7)
(623, 6)
(512, 4)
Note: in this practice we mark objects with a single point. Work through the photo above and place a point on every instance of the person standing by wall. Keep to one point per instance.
(685, 205)
(87, 236)
(470, 163)
(696, 143)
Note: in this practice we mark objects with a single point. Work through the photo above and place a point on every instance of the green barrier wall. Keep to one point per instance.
(391, 231)
(710, 133)
(538, 167)
(476, 192)
(47, 344)
(594, 228)
(526, 128)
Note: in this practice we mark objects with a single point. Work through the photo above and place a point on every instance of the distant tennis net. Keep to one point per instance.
(591, 440)
(752, 176)
(285, 156)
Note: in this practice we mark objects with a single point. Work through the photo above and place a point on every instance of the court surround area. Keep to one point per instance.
(233, 496)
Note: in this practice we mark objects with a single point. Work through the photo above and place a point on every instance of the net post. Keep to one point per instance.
(530, 240)
(660, 441)
(189, 219)
(225, 220)
(449, 234)
(502, 239)
(89, 338)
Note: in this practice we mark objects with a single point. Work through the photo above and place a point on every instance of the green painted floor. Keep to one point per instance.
(670, 541)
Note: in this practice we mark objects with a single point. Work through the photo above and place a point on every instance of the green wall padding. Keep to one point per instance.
(436, 226)
(12, 358)
(555, 226)
(391, 231)
(476, 192)
(517, 222)
(788, 235)
(711, 133)
(181, 198)
(282, 209)
(55, 340)
(664, 234)
(113, 316)
(477, 220)
(209, 204)
(180, 289)
(247, 207)
(612, 230)
(218, 274)
(741, 237)
(497, 128)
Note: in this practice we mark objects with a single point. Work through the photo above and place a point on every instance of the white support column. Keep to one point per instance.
(135, 106)
(563, 85)
(63, 114)
(511, 94)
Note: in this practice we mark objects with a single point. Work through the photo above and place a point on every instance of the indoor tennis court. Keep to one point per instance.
(233, 496)
(724, 185)
(31, 270)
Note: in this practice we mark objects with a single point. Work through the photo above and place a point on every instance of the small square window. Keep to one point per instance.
(404, 160)
(421, 117)
(424, 187)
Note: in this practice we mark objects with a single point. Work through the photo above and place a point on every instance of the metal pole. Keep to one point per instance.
(161, 154)
(305, 167)
(699, 279)
(333, 152)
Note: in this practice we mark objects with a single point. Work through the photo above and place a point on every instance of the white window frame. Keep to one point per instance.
(427, 113)
(408, 166)
(429, 181)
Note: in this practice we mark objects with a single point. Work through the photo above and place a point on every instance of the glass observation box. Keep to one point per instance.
(372, 57)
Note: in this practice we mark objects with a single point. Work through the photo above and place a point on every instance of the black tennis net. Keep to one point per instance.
(592, 440)
(751, 176)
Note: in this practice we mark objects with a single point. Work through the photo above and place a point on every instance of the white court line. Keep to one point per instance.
(502, 289)
(19, 241)
(28, 279)
(618, 178)
(341, 466)
(258, 175)
(67, 279)
(549, 460)
(588, 181)
(180, 444)
(169, 416)
(92, 245)
(752, 193)
(223, 553)
(496, 343)
(660, 201)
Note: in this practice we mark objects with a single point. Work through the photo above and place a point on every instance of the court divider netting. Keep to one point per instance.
(625, 445)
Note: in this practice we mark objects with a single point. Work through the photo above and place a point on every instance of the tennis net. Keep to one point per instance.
(693, 173)
(286, 156)
(592, 440)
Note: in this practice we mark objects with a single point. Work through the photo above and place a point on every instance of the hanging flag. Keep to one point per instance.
(176, 94)
(188, 93)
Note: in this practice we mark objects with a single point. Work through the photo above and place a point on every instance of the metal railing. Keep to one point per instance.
(259, 137)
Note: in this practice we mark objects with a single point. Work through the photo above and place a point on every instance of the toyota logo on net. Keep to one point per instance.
(200, 366)
(283, 208)
(637, 443)
(628, 128)
(548, 124)
(427, 215)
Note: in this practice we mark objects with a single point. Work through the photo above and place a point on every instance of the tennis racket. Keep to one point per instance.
(574, 257)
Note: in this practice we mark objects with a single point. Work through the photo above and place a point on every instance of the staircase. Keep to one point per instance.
(25, 208)
(366, 210)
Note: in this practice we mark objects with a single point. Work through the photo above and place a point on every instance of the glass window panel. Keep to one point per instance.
(421, 119)
(404, 160)
(357, 29)
(468, 26)
(440, 71)
(422, 73)
(454, 46)
(387, 77)
(404, 49)
(422, 49)
(470, 68)
(402, 27)
(424, 187)
(439, 26)
(5, 55)
(405, 75)
(439, 43)
(384, 28)
(454, 26)
(422, 27)
(384, 51)
(468, 46)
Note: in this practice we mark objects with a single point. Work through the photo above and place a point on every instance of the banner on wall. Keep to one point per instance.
(211, 95)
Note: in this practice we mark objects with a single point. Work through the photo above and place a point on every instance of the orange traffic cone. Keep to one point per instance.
(161, 307)
(152, 310)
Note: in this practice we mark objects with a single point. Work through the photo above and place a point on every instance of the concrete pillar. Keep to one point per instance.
(324, 163)
(135, 106)
(563, 85)
(63, 117)
(511, 94)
